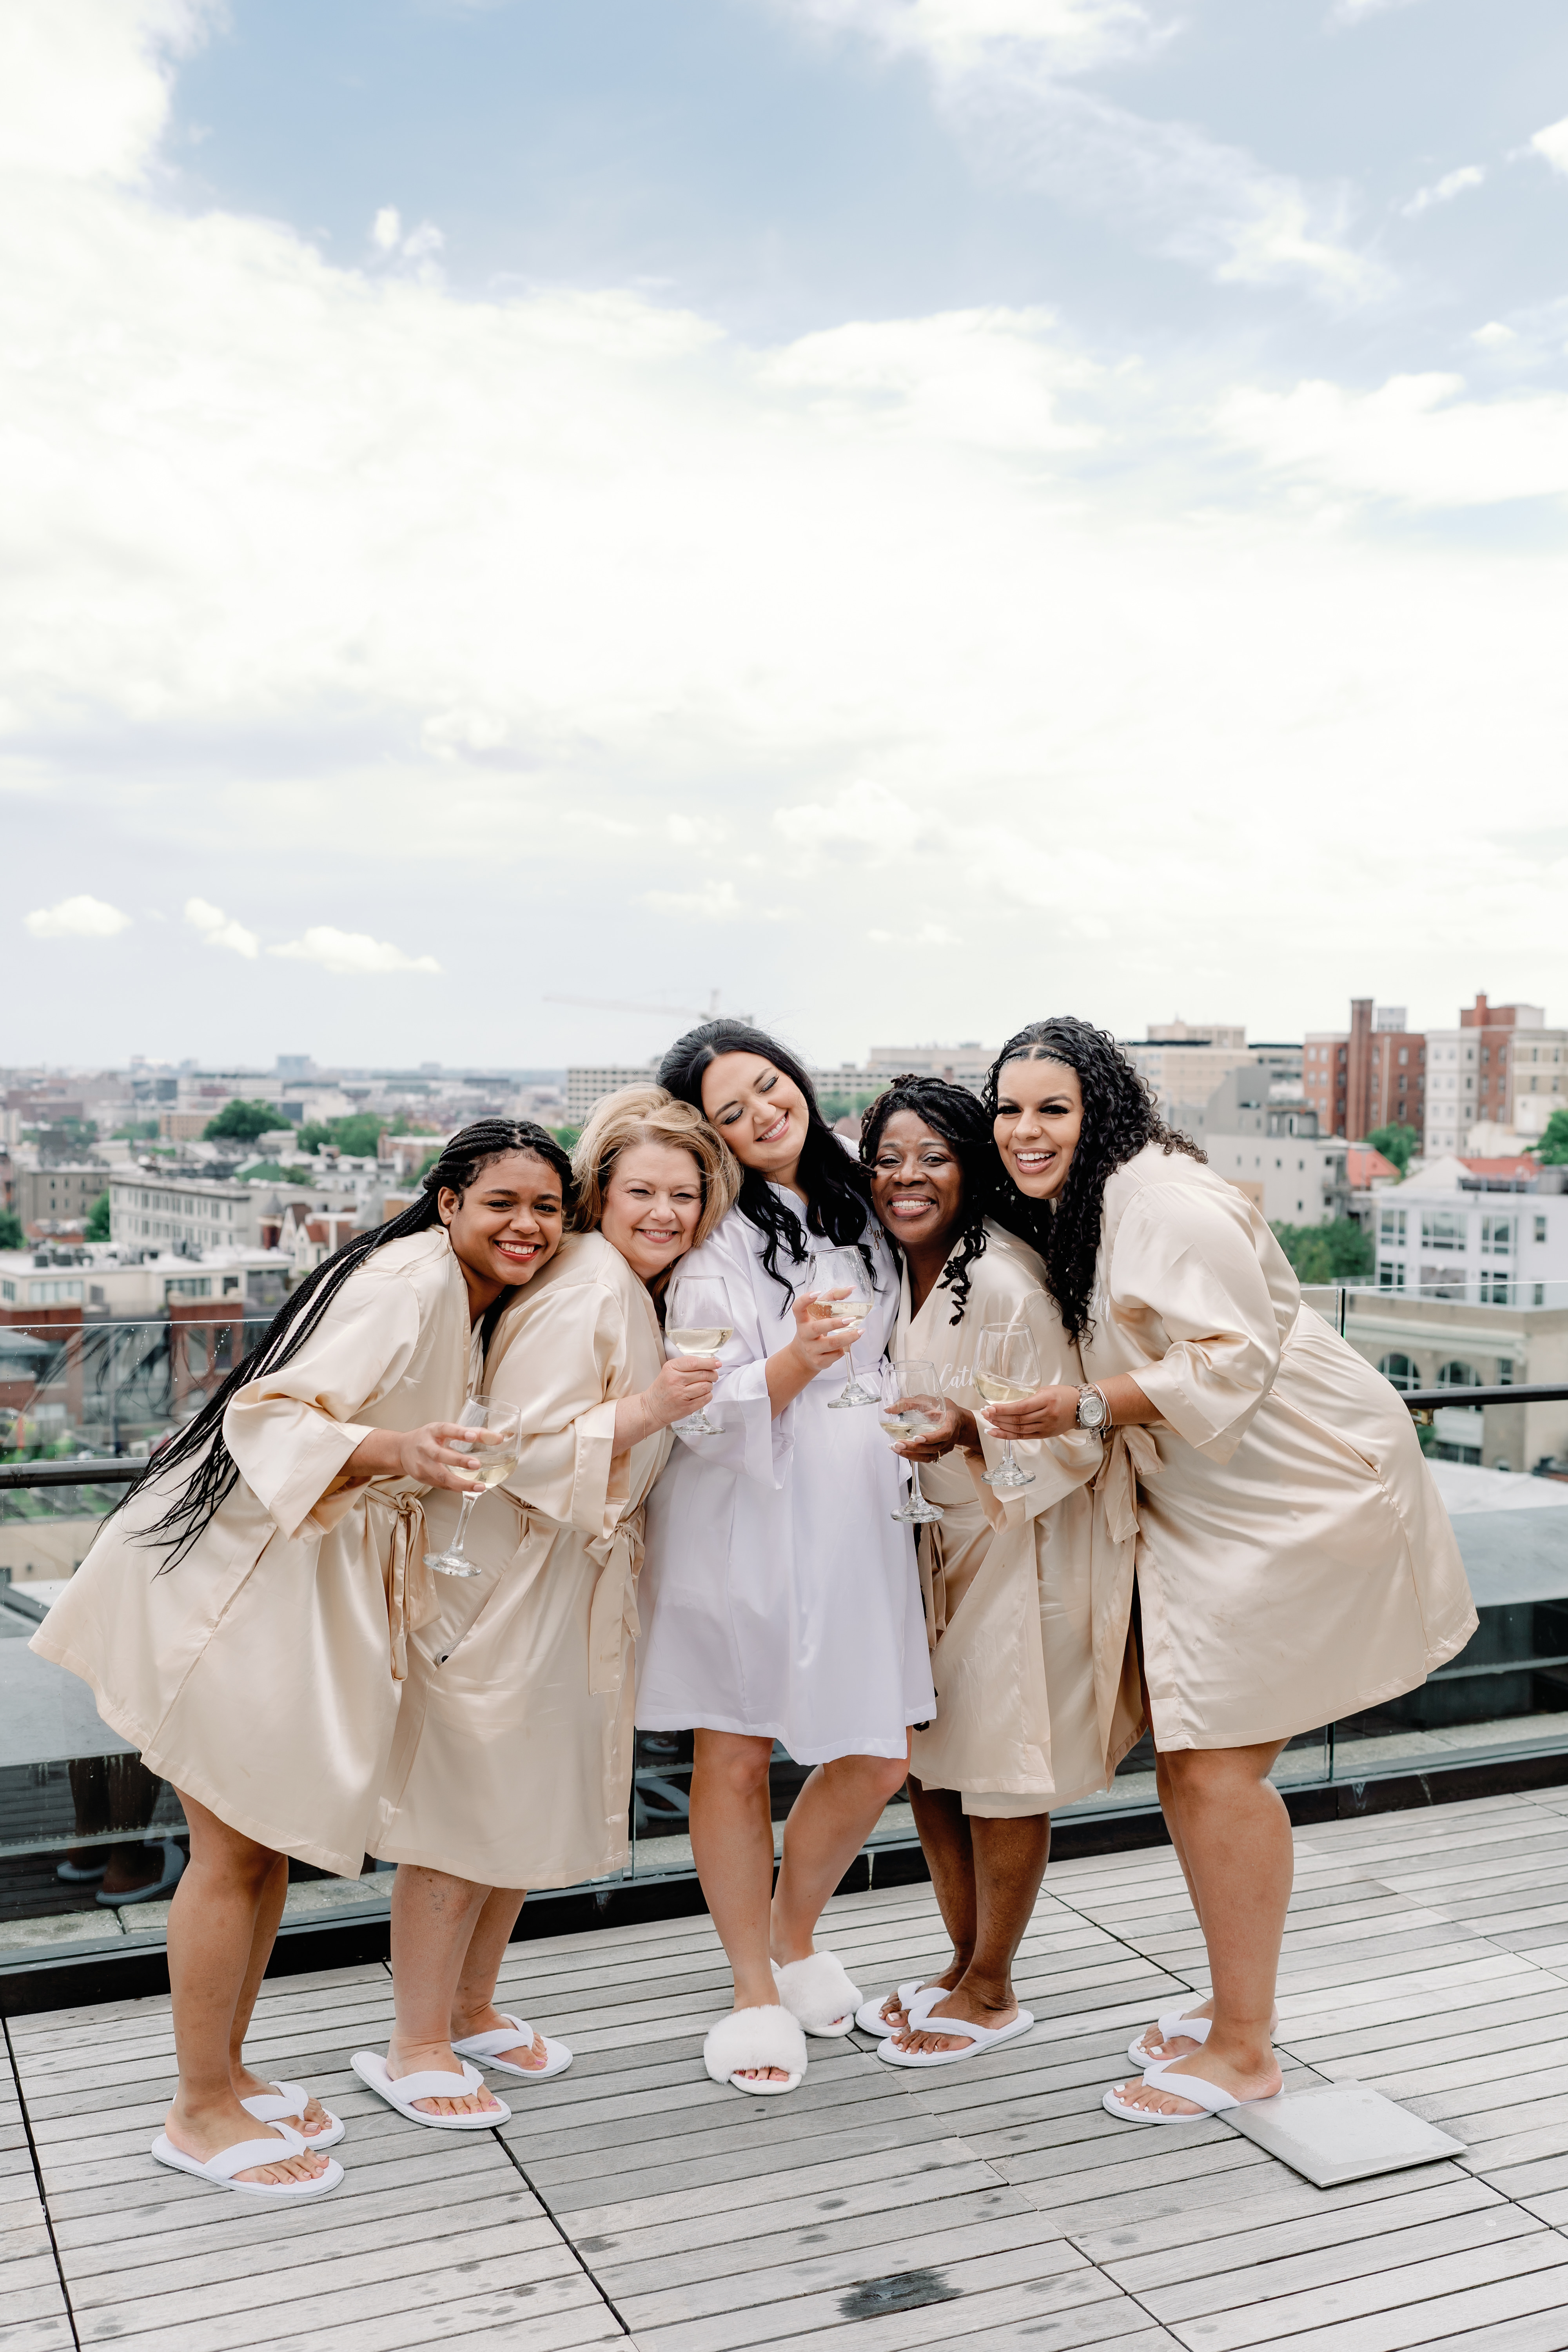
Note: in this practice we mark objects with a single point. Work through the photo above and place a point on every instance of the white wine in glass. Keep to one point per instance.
(845, 1270)
(497, 1433)
(1006, 1372)
(698, 1321)
(913, 1406)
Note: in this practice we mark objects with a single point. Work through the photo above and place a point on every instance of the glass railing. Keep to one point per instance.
(71, 1793)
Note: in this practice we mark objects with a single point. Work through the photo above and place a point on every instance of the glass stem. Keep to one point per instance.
(469, 1499)
(1008, 1464)
(915, 1495)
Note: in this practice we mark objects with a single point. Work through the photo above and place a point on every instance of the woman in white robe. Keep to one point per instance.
(1007, 1578)
(1293, 1563)
(245, 1620)
(783, 1602)
(512, 1763)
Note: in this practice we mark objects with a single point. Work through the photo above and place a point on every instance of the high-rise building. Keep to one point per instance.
(1470, 1080)
(1373, 1075)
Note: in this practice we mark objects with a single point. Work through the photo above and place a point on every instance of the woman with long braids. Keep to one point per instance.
(244, 1620)
(512, 1763)
(1289, 1560)
(781, 1596)
(1006, 1577)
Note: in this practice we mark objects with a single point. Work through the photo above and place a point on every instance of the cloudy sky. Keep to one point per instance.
(913, 513)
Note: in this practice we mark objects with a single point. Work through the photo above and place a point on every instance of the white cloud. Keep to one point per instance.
(218, 930)
(84, 84)
(75, 918)
(1444, 191)
(355, 953)
(717, 902)
(989, 378)
(1417, 440)
(386, 229)
(1355, 12)
(958, 35)
(867, 814)
(1494, 336)
(1553, 142)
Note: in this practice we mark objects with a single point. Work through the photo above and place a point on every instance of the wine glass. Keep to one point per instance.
(498, 1432)
(697, 1322)
(1006, 1370)
(912, 1406)
(844, 1269)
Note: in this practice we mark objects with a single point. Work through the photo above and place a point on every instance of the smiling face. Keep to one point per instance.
(916, 1184)
(759, 1111)
(1039, 1117)
(506, 1225)
(653, 1205)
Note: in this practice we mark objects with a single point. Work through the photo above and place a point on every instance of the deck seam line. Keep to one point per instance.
(39, 2178)
(553, 2218)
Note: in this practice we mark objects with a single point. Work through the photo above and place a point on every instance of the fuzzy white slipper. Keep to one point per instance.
(484, 2047)
(286, 2102)
(868, 2017)
(401, 2094)
(245, 2156)
(819, 1992)
(756, 2037)
(1209, 2097)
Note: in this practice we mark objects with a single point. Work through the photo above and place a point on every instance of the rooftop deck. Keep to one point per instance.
(994, 2204)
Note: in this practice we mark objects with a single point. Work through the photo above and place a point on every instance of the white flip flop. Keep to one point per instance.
(511, 2036)
(1168, 2022)
(986, 2037)
(868, 2017)
(287, 2100)
(1209, 2097)
(243, 2157)
(401, 2094)
(819, 1991)
(756, 2037)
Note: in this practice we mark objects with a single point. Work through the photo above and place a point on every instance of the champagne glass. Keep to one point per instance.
(498, 1432)
(1006, 1370)
(844, 1269)
(913, 1406)
(697, 1322)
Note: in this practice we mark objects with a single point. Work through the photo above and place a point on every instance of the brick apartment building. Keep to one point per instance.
(1501, 1066)
(1373, 1075)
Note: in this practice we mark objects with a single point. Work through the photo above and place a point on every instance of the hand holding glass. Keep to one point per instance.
(498, 1430)
(698, 1321)
(1006, 1370)
(845, 1270)
(913, 1406)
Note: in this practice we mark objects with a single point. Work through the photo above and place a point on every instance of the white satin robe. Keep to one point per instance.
(262, 1674)
(1008, 1578)
(1294, 1561)
(512, 1764)
(781, 1597)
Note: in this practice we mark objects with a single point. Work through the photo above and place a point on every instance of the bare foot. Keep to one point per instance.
(437, 2058)
(490, 2019)
(208, 2134)
(247, 2085)
(1156, 2053)
(1248, 2080)
(962, 2009)
(892, 2011)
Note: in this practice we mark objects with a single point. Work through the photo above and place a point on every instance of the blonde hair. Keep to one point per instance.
(649, 1115)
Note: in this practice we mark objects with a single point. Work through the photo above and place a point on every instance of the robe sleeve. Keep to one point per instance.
(753, 1442)
(1182, 1256)
(565, 1369)
(291, 1432)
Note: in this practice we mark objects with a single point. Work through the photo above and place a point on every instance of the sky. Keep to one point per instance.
(912, 514)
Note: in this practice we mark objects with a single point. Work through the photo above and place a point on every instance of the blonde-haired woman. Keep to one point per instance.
(513, 1761)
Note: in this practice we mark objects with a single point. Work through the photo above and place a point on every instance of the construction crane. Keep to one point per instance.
(667, 1011)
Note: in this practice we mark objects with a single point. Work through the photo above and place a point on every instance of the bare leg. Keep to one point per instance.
(433, 1919)
(473, 2004)
(950, 1857)
(828, 1825)
(1010, 1856)
(213, 1933)
(1236, 1836)
(732, 1846)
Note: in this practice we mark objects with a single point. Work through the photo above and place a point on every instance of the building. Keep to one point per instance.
(1448, 1343)
(1473, 1071)
(150, 1208)
(1269, 1149)
(1184, 1061)
(47, 1198)
(588, 1083)
(1537, 1066)
(1462, 1232)
(966, 1064)
(1371, 1076)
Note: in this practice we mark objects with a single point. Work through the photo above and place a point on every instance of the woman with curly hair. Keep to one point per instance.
(1007, 1578)
(783, 1597)
(1289, 1561)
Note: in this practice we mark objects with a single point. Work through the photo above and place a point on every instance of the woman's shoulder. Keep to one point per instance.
(1155, 1171)
(1009, 1260)
(427, 1261)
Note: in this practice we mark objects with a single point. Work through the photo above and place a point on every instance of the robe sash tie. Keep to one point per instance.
(411, 1596)
(613, 1616)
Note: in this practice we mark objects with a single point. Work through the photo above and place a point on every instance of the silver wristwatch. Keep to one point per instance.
(1093, 1412)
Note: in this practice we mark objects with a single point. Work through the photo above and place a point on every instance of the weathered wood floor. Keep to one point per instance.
(991, 2205)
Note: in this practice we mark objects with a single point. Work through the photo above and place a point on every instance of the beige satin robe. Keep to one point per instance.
(262, 1674)
(512, 1763)
(1008, 1578)
(1294, 1562)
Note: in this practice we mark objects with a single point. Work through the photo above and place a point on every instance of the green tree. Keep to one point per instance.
(357, 1135)
(1340, 1251)
(565, 1137)
(1553, 1150)
(11, 1234)
(244, 1122)
(137, 1131)
(1396, 1144)
(97, 1219)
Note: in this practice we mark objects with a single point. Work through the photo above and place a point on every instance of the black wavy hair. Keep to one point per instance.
(1121, 1117)
(214, 1473)
(837, 1191)
(961, 1121)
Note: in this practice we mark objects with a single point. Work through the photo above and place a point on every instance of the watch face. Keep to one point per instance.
(1090, 1409)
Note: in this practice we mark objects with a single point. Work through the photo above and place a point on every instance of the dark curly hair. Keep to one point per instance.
(961, 1120)
(1120, 1120)
(836, 1188)
(214, 1473)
